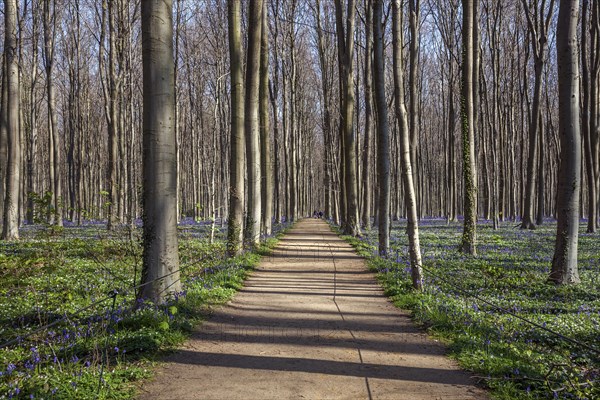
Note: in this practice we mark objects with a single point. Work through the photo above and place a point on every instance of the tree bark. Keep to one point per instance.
(366, 176)
(160, 274)
(587, 125)
(538, 27)
(468, 243)
(10, 227)
(3, 133)
(383, 139)
(265, 134)
(112, 122)
(414, 9)
(251, 120)
(410, 197)
(50, 17)
(235, 227)
(564, 262)
(345, 39)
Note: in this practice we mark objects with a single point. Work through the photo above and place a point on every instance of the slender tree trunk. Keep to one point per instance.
(383, 139)
(3, 132)
(540, 178)
(160, 274)
(587, 125)
(10, 228)
(564, 263)
(468, 243)
(366, 176)
(251, 120)
(235, 227)
(330, 203)
(112, 118)
(345, 35)
(538, 27)
(414, 9)
(275, 154)
(410, 197)
(265, 135)
(50, 22)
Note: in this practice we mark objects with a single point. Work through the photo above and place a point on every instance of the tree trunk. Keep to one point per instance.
(345, 39)
(112, 118)
(407, 175)
(265, 135)
(538, 27)
(50, 17)
(251, 120)
(587, 125)
(540, 178)
(414, 9)
(383, 139)
(3, 133)
(366, 176)
(160, 274)
(468, 132)
(564, 262)
(10, 228)
(235, 227)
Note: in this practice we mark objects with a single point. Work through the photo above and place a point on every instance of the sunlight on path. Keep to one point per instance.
(311, 323)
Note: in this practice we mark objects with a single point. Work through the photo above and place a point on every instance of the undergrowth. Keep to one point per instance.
(475, 304)
(100, 342)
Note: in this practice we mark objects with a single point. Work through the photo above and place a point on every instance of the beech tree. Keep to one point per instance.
(410, 197)
(266, 165)
(468, 243)
(236, 168)
(538, 21)
(251, 120)
(564, 262)
(368, 98)
(50, 21)
(590, 76)
(383, 140)
(10, 228)
(160, 274)
(345, 42)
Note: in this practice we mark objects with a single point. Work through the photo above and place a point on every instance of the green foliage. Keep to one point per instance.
(515, 359)
(47, 277)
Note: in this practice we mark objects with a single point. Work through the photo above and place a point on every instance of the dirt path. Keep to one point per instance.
(311, 323)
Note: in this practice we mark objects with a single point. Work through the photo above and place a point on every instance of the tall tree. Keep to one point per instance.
(10, 228)
(266, 165)
(34, 111)
(51, 10)
(538, 24)
(160, 274)
(345, 40)
(383, 139)
(251, 120)
(235, 227)
(3, 132)
(368, 94)
(414, 18)
(468, 130)
(410, 197)
(589, 76)
(564, 262)
(326, 70)
(111, 90)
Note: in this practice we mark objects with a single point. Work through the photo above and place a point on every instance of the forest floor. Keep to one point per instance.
(311, 322)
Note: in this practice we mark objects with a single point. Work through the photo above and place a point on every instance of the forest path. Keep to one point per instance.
(310, 323)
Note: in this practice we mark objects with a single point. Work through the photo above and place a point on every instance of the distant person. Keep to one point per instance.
(315, 214)
(321, 214)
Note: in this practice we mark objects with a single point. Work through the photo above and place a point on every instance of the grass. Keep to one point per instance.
(100, 352)
(474, 304)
